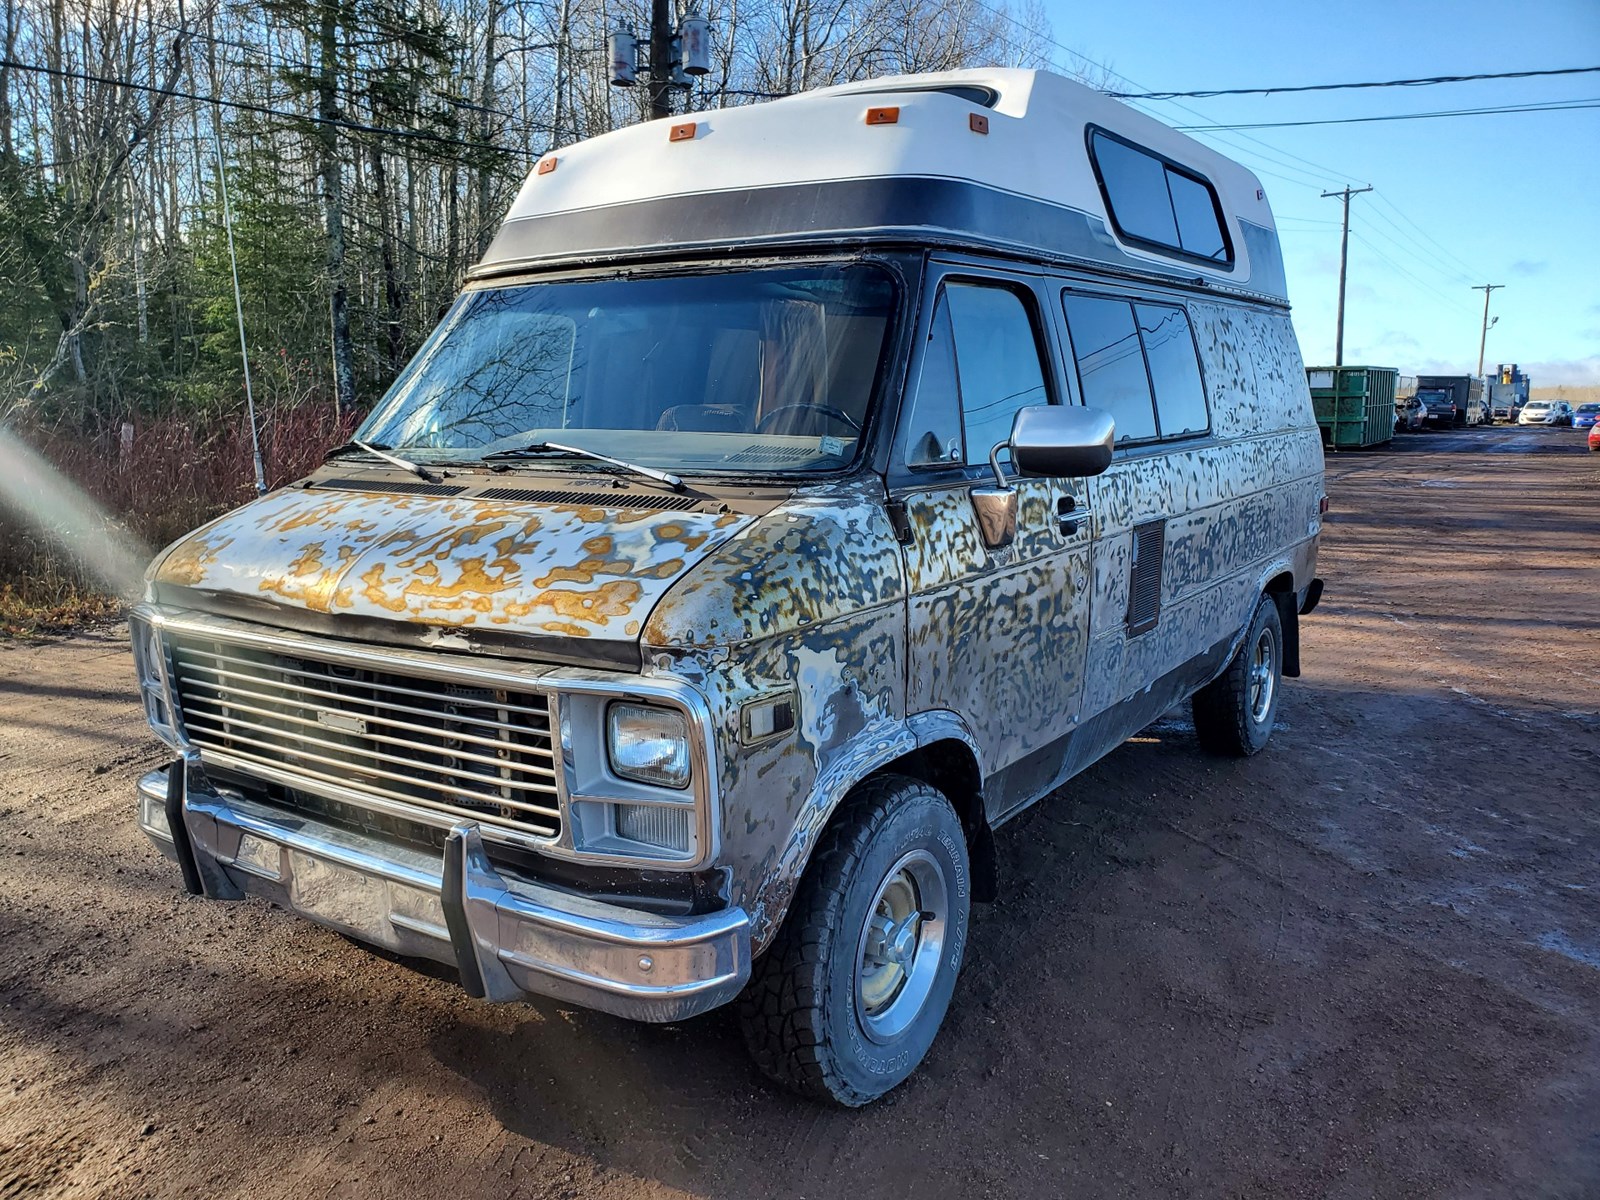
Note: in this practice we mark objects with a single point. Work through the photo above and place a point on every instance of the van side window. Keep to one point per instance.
(1152, 200)
(1111, 371)
(933, 431)
(997, 360)
(1174, 369)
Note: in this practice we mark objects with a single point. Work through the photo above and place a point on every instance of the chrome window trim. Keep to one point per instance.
(446, 667)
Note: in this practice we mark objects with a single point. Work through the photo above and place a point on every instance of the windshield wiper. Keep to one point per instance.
(379, 450)
(663, 477)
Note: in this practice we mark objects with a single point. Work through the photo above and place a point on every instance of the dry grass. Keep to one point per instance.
(171, 477)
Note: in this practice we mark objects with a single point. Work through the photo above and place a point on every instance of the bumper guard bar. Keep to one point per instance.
(509, 937)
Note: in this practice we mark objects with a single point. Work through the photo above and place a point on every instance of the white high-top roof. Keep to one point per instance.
(1035, 147)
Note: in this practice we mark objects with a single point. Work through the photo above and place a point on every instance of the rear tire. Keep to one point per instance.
(848, 998)
(1234, 713)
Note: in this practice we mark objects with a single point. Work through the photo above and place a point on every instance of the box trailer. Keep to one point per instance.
(1453, 399)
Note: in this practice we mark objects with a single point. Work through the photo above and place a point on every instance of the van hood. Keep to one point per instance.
(570, 570)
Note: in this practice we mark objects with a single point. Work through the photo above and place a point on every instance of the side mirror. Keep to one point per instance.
(1062, 440)
(1056, 440)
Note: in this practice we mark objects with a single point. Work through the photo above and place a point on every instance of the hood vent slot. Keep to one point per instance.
(632, 500)
(392, 487)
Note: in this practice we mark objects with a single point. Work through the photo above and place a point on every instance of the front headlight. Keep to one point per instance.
(648, 745)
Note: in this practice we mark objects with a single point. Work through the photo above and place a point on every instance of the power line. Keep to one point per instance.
(1428, 237)
(1416, 249)
(1553, 106)
(1426, 81)
(1324, 174)
(244, 106)
(1431, 289)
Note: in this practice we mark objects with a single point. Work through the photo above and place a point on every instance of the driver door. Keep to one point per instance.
(997, 636)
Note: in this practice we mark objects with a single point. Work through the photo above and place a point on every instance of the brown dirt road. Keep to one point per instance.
(1365, 963)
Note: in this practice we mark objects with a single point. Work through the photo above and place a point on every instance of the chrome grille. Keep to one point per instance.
(451, 749)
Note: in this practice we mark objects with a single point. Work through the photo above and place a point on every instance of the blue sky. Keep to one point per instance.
(1512, 198)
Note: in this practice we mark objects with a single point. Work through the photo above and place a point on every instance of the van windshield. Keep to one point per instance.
(746, 371)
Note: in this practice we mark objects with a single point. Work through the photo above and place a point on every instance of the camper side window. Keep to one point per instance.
(1153, 200)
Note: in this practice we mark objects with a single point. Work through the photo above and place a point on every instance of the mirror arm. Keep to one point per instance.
(994, 463)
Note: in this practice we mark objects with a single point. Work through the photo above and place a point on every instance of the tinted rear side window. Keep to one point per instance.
(1111, 372)
(1155, 201)
(1174, 369)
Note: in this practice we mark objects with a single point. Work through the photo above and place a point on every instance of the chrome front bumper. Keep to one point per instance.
(509, 938)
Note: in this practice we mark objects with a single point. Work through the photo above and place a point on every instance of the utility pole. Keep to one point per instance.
(661, 58)
(1483, 338)
(1344, 259)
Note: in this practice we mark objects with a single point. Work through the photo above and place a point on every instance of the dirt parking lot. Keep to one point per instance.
(1365, 963)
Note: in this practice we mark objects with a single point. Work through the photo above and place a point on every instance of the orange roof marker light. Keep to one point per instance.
(682, 133)
(883, 116)
(548, 164)
(978, 123)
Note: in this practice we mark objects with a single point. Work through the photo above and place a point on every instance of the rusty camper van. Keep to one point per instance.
(794, 493)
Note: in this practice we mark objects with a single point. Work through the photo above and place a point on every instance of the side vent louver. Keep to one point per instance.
(1144, 581)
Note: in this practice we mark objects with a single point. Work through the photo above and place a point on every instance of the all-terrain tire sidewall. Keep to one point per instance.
(1254, 734)
(1222, 710)
(924, 821)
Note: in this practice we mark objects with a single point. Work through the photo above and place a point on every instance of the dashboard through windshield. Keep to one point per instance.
(750, 371)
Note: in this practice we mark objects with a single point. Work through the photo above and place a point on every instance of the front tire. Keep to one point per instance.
(1234, 713)
(848, 998)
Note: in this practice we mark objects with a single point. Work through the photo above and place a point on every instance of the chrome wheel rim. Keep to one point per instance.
(900, 947)
(1263, 675)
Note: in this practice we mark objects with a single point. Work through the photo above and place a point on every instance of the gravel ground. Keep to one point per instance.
(1366, 962)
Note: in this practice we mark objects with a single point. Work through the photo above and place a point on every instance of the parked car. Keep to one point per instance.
(1545, 412)
(928, 477)
(1585, 415)
(1594, 436)
(1410, 414)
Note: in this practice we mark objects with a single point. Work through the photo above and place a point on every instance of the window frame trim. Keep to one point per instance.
(1229, 264)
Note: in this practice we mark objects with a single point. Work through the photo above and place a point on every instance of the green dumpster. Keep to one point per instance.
(1354, 405)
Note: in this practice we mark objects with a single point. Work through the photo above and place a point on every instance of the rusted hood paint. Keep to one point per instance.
(573, 570)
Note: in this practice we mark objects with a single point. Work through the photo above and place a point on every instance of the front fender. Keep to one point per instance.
(875, 746)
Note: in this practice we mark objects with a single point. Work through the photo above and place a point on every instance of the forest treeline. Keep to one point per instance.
(368, 148)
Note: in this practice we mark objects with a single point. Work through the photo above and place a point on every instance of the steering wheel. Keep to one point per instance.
(765, 425)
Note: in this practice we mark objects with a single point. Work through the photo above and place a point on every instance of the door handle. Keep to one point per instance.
(1069, 517)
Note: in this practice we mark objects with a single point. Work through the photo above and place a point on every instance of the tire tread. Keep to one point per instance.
(779, 1009)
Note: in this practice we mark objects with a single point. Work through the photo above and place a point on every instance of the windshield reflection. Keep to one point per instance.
(764, 370)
